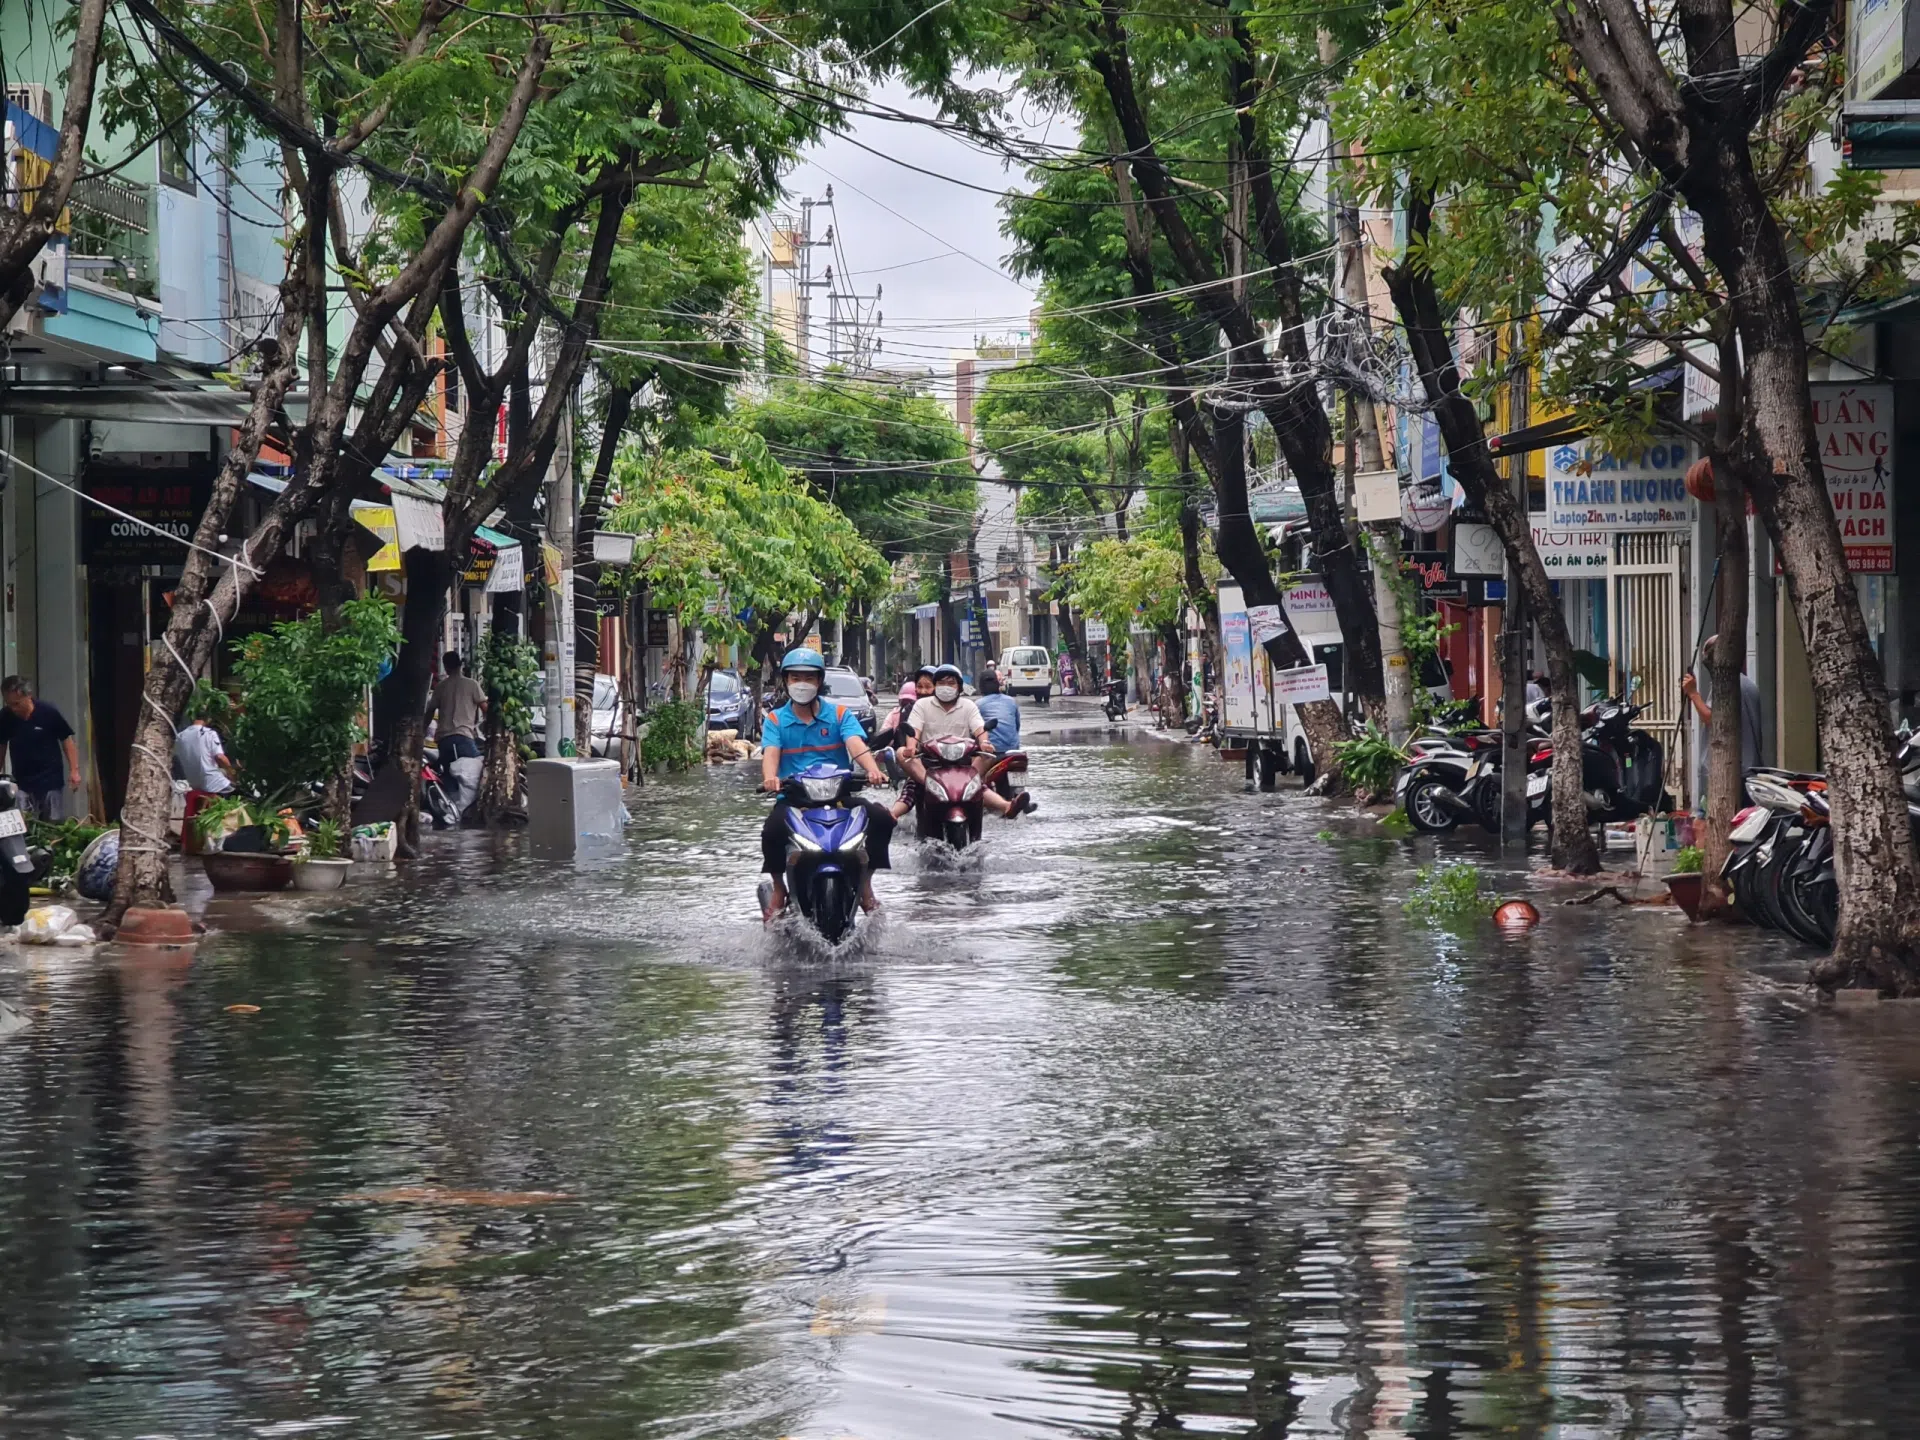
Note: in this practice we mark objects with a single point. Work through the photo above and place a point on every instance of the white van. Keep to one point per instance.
(1027, 670)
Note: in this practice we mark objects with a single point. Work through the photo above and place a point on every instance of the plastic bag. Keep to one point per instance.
(46, 924)
(77, 935)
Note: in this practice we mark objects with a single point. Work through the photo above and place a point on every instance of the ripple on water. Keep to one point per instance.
(1155, 1116)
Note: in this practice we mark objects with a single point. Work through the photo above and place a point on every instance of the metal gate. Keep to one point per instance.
(1646, 607)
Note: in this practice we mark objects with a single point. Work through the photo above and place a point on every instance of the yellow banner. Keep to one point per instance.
(550, 557)
(379, 519)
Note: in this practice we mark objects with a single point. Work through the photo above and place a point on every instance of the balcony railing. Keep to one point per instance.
(113, 220)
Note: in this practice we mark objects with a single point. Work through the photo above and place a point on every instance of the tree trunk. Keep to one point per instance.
(586, 569)
(1699, 140)
(428, 575)
(1415, 297)
(1874, 861)
(1726, 789)
(192, 633)
(1241, 552)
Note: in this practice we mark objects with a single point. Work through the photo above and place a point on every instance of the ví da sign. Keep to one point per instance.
(1590, 490)
(1854, 427)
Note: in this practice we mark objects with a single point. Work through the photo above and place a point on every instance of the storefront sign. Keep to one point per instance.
(1310, 611)
(1265, 623)
(1477, 552)
(1429, 570)
(379, 519)
(509, 571)
(1096, 632)
(160, 510)
(1573, 554)
(1854, 427)
(1301, 685)
(1643, 491)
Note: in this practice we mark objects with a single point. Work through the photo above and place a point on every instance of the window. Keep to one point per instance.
(453, 388)
(848, 685)
(176, 165)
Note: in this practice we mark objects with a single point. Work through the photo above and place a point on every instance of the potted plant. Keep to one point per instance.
(246, 858)
(320, 865)
(301, 689)
(1684, 880)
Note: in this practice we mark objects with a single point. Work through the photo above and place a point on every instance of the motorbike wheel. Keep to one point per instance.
(1788, 896)
(1767, 884)
(1742, 882)
(1820, 898)
(16, 898)
(832, 910)
(1424, 808)
(956, 834)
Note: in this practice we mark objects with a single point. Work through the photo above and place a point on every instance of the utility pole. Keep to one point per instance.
(1353, 312)
(559, 647)
(1514, 740)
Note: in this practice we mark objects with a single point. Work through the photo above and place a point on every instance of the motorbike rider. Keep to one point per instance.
(946, 715)
(809, 731)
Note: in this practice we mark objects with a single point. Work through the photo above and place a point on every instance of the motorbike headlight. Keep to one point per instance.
(801, 843)
(973, 789)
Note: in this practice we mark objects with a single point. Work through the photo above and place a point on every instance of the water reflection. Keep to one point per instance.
(1159, 1119)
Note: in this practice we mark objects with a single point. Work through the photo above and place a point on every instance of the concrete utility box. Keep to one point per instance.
(574, 807)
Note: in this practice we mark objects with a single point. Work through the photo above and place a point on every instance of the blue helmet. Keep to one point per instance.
(801, 658)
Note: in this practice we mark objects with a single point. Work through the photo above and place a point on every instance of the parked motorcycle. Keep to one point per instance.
(1621, 767)
(18, 864)
(1116, 706)
(826, 848)
(1458, 775)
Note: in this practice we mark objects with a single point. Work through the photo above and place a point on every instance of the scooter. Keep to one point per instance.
(1116, 706)
(1621, 768)
(17, 862)
(826, 848)
(950, 807)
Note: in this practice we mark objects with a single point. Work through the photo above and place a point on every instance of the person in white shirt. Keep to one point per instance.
(202, 758)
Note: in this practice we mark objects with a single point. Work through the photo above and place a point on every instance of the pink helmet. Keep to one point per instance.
(909, 693)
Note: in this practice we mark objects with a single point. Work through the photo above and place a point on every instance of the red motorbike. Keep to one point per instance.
(950, 807)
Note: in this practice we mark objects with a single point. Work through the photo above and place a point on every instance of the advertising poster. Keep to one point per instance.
(1573, 554)
(1854, 425)
(1265, 623)
(1236, 656)
(1301, 685)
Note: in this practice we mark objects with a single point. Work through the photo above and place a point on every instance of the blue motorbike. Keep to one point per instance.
(826, 847)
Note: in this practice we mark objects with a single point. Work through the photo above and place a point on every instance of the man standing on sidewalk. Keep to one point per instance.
(35, 734)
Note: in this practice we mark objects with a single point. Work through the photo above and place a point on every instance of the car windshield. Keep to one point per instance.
(723, 686)
(1025, 657)
(847, 685)
(606, 693)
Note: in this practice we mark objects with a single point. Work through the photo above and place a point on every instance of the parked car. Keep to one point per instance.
(847, 689)
(729, 702)
(1027, 670)
(606, 714)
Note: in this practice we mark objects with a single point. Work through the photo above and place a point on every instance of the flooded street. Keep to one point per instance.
(1157, 1117)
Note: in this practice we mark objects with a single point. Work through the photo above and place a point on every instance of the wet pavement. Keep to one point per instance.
(1156, 1117)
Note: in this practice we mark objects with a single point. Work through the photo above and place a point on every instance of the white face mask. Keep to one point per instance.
(801, 692)
(946, 694)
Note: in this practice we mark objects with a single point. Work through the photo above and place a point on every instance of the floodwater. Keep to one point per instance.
(1162, 1119)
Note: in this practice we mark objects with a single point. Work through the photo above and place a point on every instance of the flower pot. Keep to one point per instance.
(245, 870)
(320, 874)
(1686, 892)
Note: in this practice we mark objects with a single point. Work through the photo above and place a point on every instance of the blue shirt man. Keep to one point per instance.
(1004, 710)
(810, 731)
(817, 739)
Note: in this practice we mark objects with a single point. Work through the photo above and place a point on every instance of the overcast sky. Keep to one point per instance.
(934, 246)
